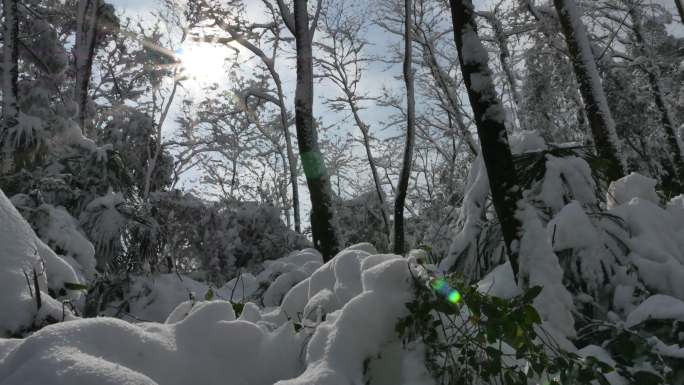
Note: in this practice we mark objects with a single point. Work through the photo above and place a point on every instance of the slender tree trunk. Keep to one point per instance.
(154, 157)
(270, 65)
(10, 76)
(291, 158)
(450, 91)
(653, 78)
(371, 161)
(586, 72)
(398, 241)
(84, 50)
(504, 56)
(491, 129)
(10, 66)
(322, 224)
(680, 9)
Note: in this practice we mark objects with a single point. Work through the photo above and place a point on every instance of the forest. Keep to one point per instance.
(342, 192)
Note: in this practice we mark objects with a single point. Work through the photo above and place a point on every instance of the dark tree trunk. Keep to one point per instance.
(10, 66)
(586, 72)
(398, 241)
(84, 50)
(10, 76)
(491, 129)
(680, 9)
(653, 78)
(322, 225)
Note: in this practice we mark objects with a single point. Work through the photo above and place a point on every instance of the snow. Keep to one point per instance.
(676, 209)
(154, 298)
(658, 306)
(62, 230)
(72, 135)
(527, 141)
(567, 179)
(500, 282)
(572, 229)
(469, 221)
(22, 254)
(539, 266)
(631, 186)
(386, 287)
(205, 348)
(657, 248)
(603, 356)
(202, 342)
(587, 60)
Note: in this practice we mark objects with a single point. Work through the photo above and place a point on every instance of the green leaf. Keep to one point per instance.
(531, 315)
(531, 294)
(237, 308)
(209, 295)
(647, 378)
(75, 286)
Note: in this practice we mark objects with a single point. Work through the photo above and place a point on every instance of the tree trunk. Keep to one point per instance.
(10, 76)
(504, 55)
(653, 78)
(586, 72)
(10, 66)
(280, 102)
(291, 158)
(398, 241)
(322, 225)
(84, 50)
(491, 129)
(371, 160)
(680, 9)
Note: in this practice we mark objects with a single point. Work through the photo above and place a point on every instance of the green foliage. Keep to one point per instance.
(75, 286)
(237, 308)
(490, 339)
(634, 352)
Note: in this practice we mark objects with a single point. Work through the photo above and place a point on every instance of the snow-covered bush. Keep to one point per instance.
(220, 239)
(360, 220)
(32, 276)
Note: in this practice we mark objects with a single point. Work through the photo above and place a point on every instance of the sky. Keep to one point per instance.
(205, 62)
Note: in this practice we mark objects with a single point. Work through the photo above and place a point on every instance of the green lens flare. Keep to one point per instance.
(442, 287)
(454, 296)
(438, 284)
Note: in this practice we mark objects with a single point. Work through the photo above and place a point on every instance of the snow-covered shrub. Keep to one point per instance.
(486, 338)
(597, 256)
(31, 275)
(360, 220)
(220, 239)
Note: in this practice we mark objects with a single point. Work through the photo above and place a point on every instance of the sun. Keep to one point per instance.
(202, 62)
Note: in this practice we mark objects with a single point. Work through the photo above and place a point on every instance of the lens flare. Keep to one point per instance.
(442, 287)
(454, 297)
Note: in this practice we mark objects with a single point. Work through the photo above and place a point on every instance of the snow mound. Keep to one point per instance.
(360, 329)
(657, 307)
(631, 186)
(208, 347)
(572, 229)
(25, 261)
(203, 343)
